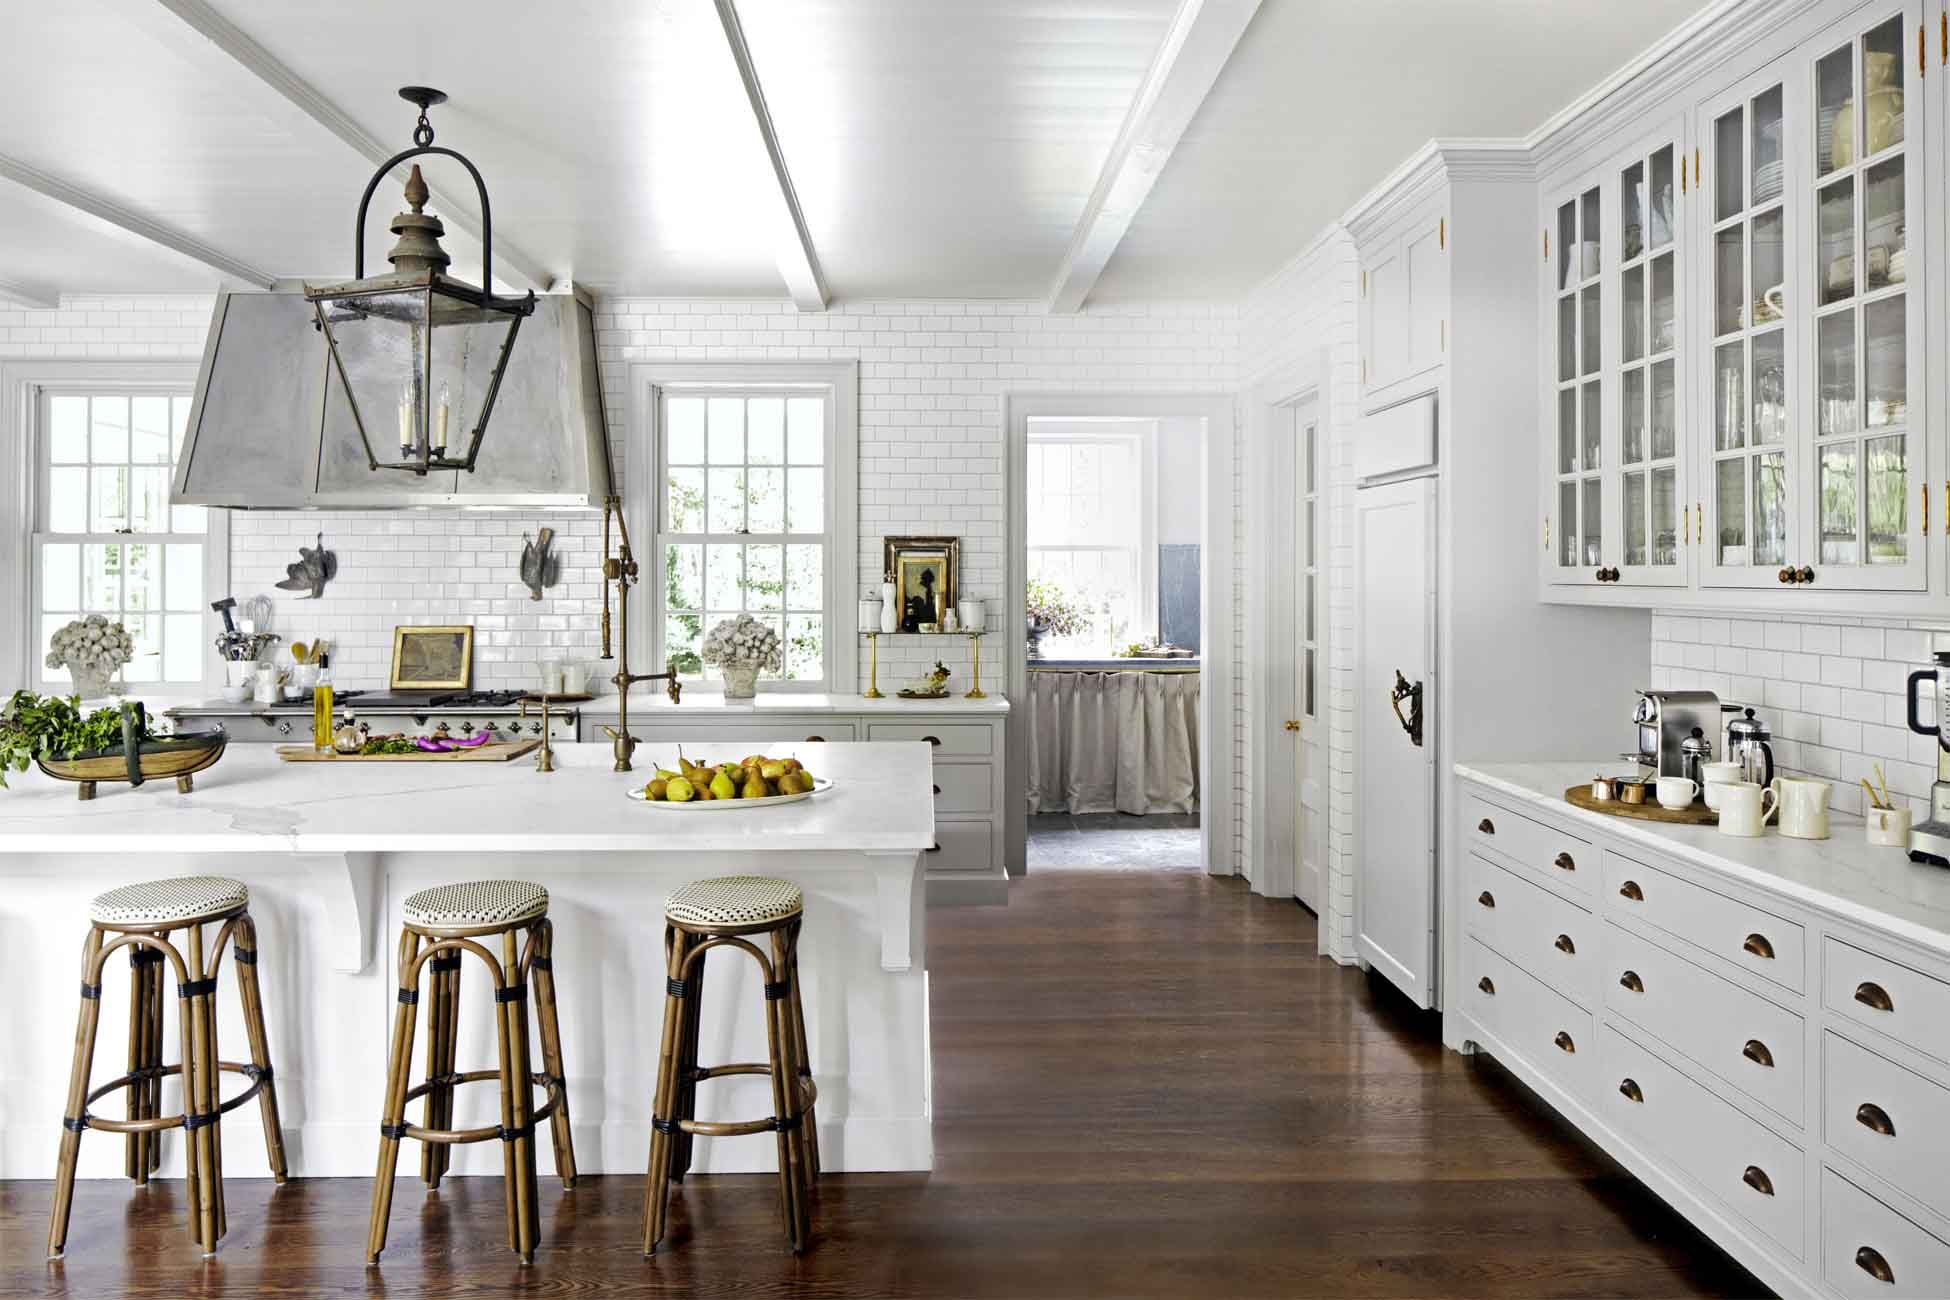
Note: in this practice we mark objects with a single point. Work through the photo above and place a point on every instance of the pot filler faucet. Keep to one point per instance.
(620, 568)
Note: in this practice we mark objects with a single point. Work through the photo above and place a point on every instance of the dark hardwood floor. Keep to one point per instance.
(1146, 1084)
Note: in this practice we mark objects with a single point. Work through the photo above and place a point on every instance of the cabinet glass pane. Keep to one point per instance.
(1729, 396)
(1592, 330)
(1729, 281)
(1768, 280)
(1665, 516)
(1834, 111)
(1884, 237)
(1883, 70)
(1770, 387)
(1632, 418)
(1631, 212)
(1770, 508)
(1729, 167)
(1730, 510)
(1567, 430)
(1888, 500)
(1567, 337)
(1635, 519)
(1767, 177)
(1590, 515)
(1664, 323)
(1835, 249)
(1592, 427)
(1567, 524)
(1664, 411)
(1567, 242)
(1884, 336)
(1839, 492)
(1631, 316)
(1588, 232)
(1835, 363)
(1659, 214)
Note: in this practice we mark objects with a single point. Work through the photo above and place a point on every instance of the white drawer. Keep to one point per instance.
(1740, 1036)
(961, 846)
(1549, 1031)
(1768, 945)
(963, 787)
(1559, 857)
(780, 731)
(1863, 1240)
(949, 740)
(1905, 1004)
(1759, 1175)
(1554, 940)
(1892, 1120)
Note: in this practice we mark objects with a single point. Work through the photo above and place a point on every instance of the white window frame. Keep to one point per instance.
(24, 387)
(839, 384)
(1144, 437)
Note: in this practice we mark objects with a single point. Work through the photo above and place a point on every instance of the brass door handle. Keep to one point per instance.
(1870, 1261)
(1756, 1051)
(1565, 862)
(1292, 724)
(1630, 979)
(1874, 1118)
(1757, 1178)
(1630, 889)
(1412, 723)
(1486, 898)
(1564, 945)
(1629, 1089)
(1487, 985)
(1873, 996)
(1486, 826)
(1564, 1043)
(1758, 945)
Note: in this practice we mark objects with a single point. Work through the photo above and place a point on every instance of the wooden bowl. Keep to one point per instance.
(170, 756)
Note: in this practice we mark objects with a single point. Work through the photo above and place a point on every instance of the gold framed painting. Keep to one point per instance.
(925, 572)
(433, 658)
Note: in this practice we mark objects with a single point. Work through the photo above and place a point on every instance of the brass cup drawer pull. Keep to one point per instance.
(1629, 1090)
(1630, 889)
(1486, 898)
(1756, 1051)
(1564, 862)
(1874, 1118)
(1486, 826)
(937, 789)
(1630, 980)
(1873, 996)
(814, 740)
(1487, 985)
(1564, 1043)
(933, 740)
(1758, 945)
(1564, 945)
(1870, 1261)
(1757, 1178)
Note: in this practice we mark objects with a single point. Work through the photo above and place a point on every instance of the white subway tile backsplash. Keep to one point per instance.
(1821, 639)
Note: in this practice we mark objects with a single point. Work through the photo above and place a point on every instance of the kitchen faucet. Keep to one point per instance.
(620, 568)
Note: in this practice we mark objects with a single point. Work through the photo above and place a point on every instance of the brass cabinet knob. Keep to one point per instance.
(1785, 575)
(1486, 826)
(1874, 1118)
(1630, 889)
(1873, 996)
(1487, 985)
(1564, 1043)
(1629, 1089)
(1804, 574)
(1870, 1261)
(1565, 862)
(1486, 898)
(1757, 1178)
(1758, 945)
(1630, 980)
(1564, 945)
(1756, 1051)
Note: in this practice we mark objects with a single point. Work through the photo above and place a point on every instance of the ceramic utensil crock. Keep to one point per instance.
(1887, 827)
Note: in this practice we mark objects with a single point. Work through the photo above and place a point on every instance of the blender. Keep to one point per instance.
(1930, 841)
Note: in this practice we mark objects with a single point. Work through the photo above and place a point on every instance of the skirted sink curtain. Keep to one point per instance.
(1113, 741)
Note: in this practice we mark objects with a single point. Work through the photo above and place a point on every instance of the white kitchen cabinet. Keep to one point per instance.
(1405, 300)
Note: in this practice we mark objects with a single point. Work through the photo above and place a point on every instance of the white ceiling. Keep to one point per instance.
(939, 148)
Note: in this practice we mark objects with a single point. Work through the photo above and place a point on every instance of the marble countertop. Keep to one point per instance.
(1877, 887)
(251, 802)
(648, 702)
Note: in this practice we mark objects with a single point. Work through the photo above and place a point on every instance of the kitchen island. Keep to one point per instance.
(331, 851)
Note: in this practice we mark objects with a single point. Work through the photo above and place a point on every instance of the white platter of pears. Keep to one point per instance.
(752, 782)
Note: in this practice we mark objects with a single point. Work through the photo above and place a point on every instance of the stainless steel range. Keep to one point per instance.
(411, 713)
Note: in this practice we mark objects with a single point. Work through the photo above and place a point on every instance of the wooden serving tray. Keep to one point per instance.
(495, 751)
(1579, 796)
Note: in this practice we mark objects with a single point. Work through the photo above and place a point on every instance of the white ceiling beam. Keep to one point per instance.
(23, 293)
(1188, 62)
(134, 223)
(511, 265)
(792, 242)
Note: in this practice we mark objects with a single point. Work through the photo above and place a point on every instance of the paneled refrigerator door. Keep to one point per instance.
(1575, 305)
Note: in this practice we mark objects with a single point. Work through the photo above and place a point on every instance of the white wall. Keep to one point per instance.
(1179, 463)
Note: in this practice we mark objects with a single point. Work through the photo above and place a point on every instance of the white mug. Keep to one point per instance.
(1745, 808)
(1676, 792)
(1718, 774)
(1804, 806)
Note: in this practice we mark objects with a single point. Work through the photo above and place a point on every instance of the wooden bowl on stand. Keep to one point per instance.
(138, 761)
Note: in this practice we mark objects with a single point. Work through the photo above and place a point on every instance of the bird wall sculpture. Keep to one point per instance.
(315, 567)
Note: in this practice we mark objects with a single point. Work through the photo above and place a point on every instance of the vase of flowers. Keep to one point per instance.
(93, 650)
(1051, 609)
(740, 648)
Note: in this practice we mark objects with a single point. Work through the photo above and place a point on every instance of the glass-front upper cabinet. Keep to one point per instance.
(1653, 518)
(1575, 265)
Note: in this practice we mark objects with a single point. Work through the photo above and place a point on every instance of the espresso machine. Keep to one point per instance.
(1666, 722)
(1930, 841)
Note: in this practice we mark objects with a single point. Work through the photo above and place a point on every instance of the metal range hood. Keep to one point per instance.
(263, 435)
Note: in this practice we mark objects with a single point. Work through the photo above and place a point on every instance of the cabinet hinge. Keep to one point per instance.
(1547, 532)
(1547, 244)
(1364, 370)
(1364, 284)
(1685, 525)
(1921, 46)
(1699, 521)
(1926, 510)
(1682, 173)
(1442, 232)
(1943, 36)
(1444, 323)
(1695, 164)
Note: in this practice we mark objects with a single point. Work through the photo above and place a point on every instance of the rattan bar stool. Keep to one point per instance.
(451, 920)
(721, 913)
(141, 918)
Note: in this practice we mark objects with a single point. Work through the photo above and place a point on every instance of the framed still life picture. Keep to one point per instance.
(925, 572)
(433, 658)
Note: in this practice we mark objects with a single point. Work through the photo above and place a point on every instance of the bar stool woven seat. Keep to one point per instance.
(477, 902)
(169, 902)
(735, 900)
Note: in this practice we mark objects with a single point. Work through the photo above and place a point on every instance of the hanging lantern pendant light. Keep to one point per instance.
(409, 351)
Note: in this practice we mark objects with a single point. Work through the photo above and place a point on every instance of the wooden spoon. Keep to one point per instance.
(298, 651)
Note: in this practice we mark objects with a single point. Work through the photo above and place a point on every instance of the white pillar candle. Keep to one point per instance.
(440, 422)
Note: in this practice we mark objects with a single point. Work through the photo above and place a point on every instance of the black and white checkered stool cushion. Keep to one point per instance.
(159, 902)
(477, 902)
(735, 900)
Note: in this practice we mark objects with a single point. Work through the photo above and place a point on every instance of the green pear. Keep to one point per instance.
(722, 788)
(658, 788)
(678, 790)
(754, 786)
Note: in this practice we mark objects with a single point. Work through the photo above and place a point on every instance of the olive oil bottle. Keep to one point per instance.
(321, 707)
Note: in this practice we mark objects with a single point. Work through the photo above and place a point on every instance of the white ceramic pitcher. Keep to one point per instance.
(1804, 806)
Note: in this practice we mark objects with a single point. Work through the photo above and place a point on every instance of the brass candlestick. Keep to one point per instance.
(621, 569)
(873, 672)
(976, 692)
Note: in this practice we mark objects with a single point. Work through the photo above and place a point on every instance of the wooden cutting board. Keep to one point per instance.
(1579, 796)
(495, 751)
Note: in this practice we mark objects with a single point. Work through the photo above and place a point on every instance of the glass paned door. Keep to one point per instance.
(1578, 305)
(1652, 515)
